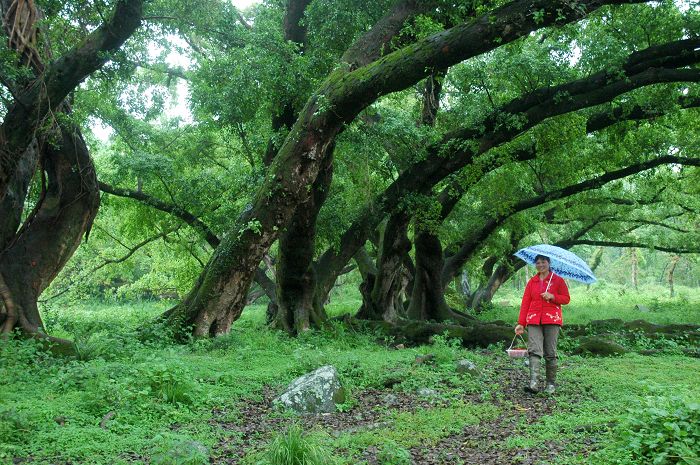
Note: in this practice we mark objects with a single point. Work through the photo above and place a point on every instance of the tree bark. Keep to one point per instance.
(428, 294)
(387, 298)
(298, 308)
(671, 270)
(12, 205)
(387, 292)
(56, 80)
(484, 295)
(32, 256)
(48, 239)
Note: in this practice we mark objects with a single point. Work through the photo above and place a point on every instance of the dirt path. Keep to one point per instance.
(482, 444)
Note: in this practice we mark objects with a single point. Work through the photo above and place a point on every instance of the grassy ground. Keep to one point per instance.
(137, 398)
(602, 302)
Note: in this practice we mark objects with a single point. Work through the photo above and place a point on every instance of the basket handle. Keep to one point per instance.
(513, 341)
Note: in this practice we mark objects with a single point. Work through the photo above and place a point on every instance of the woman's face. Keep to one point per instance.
(542, 265)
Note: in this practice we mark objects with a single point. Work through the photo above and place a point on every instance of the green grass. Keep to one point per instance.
(163, 396)
(596, 398)
(602, 302)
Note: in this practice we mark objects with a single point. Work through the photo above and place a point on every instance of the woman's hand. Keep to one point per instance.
(547, 296)
(519, 329)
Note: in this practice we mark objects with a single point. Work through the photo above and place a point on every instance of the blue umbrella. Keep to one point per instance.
(562, 262)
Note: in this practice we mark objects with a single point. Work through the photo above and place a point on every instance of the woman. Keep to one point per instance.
(540, 312)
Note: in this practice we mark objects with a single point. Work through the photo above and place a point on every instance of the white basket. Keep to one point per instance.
(516, 353)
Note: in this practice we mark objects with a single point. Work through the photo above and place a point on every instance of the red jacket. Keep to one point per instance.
(534, 310)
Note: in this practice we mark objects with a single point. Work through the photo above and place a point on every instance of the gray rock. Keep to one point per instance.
(315, 392)
(427, 392)
(466, 366)
(391, 399)
(642, 308)
(422, 359)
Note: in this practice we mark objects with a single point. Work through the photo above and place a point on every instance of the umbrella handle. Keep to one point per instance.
(550, 281)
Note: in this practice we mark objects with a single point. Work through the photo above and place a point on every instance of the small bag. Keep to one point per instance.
(517, 352)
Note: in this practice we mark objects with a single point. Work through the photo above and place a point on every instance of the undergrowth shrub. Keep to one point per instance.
(293, 447)
(183, 452)
(392, 454)
(445, 348)
(172, 383)
(14, 428)
(665, 430)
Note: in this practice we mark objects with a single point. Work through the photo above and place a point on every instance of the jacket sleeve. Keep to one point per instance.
(561, 297)
(524, 305)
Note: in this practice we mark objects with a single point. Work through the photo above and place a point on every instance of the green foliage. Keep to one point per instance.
(14, 428)
(392, 454)
(180, 452)
(445, 348)
(664, 430)
(294, 447)
(172, 383)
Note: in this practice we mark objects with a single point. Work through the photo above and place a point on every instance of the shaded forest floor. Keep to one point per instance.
(134, 397)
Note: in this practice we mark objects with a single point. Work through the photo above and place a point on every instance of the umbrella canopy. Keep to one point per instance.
(562, 262)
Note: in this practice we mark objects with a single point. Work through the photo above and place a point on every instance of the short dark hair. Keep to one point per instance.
(543, 257)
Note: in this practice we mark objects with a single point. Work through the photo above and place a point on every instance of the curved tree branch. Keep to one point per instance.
(172, 209)
(47, 91)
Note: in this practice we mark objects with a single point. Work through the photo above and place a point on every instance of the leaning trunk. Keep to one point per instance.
(671, 270)
(49, 237)
(484, 295)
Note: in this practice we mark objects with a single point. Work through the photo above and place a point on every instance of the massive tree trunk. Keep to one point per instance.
(387, 297)
(48, 238)
(298, 308)
(32, 256)
(428, 295)
(385, 300)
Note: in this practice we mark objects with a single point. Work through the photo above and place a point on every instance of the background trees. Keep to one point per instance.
(421, 142)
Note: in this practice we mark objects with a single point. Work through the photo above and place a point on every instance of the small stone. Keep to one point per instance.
(61, 420)
(421, 359)
(427, 392)
(391, 399)
(399, 346)
(642, 308)
(466, 366)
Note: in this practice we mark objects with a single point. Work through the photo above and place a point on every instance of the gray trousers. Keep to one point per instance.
(542, 340)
